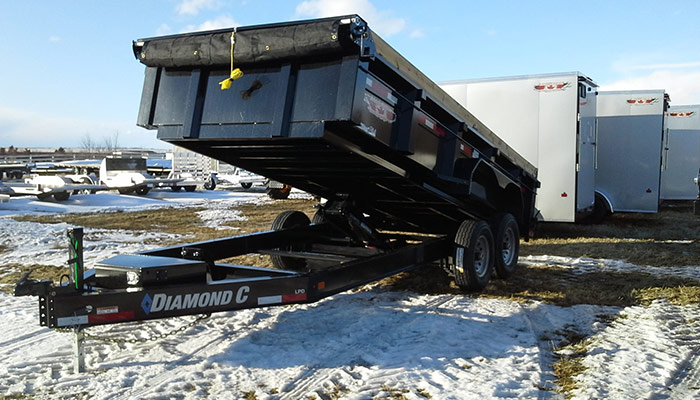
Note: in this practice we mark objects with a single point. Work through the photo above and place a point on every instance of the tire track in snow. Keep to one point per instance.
(24, 340)
(685, 382)
(652, 352)
(171, 372)
(316, 381)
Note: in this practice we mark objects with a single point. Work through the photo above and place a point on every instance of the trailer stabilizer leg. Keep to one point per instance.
(79, 351)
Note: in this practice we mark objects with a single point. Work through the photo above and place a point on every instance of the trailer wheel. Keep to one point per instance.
(175, 188)
(190, 188)
(210, 184)
(142, 191)
(246, 185)
(286, 220)
(318, 217)
(506, 244)
(61, 196)
(473, 264)
(126, 190)
(281, 193)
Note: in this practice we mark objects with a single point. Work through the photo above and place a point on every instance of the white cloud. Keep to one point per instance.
(692, 64)
(54, 39)
(22, 128)
(682, 86)
(381, 22)
(218, 23)
(193, 7)
(164, 29)
(417, 33)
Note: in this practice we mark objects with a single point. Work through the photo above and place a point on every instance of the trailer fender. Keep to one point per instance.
(602, 200)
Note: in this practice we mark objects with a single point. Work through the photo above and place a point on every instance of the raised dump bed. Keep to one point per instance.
(411, 177)
(328, 107)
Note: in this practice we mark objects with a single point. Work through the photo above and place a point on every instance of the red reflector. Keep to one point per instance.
(288, 298)
(118, 316)
(564, 195)
(466, 150)
(648, 190)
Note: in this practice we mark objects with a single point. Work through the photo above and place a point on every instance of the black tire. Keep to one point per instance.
(506, 245)
(190, 188)
(286, 220)
(280, 194)
(126, 190)
(246, 185)
(175, 188)
(473, 258)
(601, 210)
(142, 191)
(61, 196)
(318, 218)
(210, 184)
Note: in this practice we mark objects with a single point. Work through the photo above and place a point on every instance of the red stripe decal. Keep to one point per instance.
(288, 298)
(119, 316)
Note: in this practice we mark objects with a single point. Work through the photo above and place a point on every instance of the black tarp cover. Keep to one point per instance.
(259, 44)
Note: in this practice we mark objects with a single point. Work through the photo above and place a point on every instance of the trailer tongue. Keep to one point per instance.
(328, 107)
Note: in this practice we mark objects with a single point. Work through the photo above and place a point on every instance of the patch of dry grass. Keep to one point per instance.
(570, 361)
(180, 220)
(559, 286)
(39, 272)
(668, 238)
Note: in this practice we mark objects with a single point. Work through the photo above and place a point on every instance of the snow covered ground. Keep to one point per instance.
(365, 344)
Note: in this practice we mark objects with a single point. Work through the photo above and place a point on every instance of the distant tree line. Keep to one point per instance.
(13, 150)
(109, 143)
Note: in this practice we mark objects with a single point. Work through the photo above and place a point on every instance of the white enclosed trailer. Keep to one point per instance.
(550, 120)
(681, 156)
(628, 159)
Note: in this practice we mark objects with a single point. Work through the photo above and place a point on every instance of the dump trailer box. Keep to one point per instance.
(550, 120)
(328, 107)
(628, 154)
(681, 153)
(410, 177)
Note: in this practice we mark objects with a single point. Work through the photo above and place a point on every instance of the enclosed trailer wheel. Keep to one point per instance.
(506, 244)
(190, 188)
(279, 193)
(286, 220)
(142, 191)
(473, 262)
(61, 196)
(175, 188)
(126, 190)
(210, 184)
(246, 185)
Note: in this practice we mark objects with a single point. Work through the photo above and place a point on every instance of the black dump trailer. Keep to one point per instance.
(325, 105)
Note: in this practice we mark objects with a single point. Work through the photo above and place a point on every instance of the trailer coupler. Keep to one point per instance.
(32, 287)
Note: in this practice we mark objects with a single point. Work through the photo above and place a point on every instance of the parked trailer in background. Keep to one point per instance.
(681, 156)
(550, 120)
(409, 175)
(195, 169)
(628, 156)
(130, 175)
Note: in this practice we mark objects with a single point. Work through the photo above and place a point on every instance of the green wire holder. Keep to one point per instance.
(75, 252)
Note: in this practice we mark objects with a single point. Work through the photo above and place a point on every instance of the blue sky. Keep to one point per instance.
(68, 70)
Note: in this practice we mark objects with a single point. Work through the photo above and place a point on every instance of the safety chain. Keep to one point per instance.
(143, 340)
